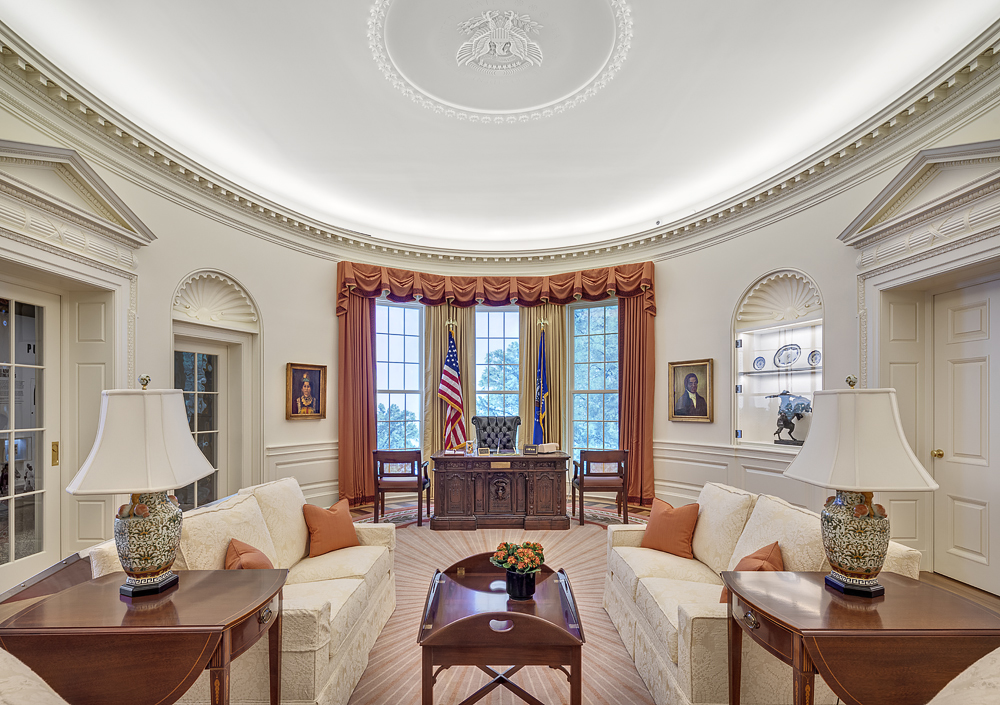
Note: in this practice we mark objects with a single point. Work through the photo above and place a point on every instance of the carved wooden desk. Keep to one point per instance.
(95, 649)
(500, 491)
(899, 649)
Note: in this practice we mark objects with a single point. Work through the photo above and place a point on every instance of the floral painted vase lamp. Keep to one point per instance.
(856, 446)
(144, 448)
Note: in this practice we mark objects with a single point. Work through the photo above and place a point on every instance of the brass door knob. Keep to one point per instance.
(938, 453)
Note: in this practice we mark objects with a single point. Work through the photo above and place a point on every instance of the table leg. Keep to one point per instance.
(803, 674)
(427, 678)
(575, 685)
(735, 656)
(219, 685)
(274, 655)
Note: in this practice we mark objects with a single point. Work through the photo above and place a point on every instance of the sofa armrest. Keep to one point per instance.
(703, 651)
(377, 535)
(903, 560)
(624, 535)
(103, 558)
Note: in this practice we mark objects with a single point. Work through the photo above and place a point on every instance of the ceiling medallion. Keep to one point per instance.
(497, 75)
(499, 43)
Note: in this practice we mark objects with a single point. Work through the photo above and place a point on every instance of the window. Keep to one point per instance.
(398, 375)
(497, 361)
(200, 376)
(595, 377)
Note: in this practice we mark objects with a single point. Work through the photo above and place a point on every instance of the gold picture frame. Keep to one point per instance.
(303, 402)
(696, 403)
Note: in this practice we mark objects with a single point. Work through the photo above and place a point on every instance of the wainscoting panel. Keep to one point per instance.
(314, 465)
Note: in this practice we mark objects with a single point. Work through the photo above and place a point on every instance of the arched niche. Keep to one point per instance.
(778, 358)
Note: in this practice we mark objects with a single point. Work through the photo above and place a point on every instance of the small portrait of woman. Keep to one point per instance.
(691, 391)
(305, 396)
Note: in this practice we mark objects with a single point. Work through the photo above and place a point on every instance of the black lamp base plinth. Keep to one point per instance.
(875, 590)
(133, 591)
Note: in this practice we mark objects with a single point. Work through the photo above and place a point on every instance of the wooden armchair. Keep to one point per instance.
(400, 471)
(591, 474)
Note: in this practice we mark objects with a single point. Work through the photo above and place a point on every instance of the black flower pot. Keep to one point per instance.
(520, 586)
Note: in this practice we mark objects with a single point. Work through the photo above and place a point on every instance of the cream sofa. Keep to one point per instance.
(334, 605)
(667, 608)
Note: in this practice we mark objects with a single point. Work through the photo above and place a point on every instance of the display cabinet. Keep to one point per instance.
(778, 331)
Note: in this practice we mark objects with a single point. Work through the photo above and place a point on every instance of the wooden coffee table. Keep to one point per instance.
(898, 649)
(95, 648)
(468, 621)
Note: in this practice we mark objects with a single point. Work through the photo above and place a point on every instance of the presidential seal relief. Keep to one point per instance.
(499, 42)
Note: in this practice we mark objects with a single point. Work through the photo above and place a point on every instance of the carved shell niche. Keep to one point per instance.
(779, 297)
(214, 299)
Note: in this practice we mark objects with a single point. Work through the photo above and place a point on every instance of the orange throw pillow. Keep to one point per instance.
(767, 558)
(671, 530)
(329, 529)
(241, 555)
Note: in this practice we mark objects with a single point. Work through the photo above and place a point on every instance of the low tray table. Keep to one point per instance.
(468, 620)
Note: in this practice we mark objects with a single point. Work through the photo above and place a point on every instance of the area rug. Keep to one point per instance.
(393, 673)
(591, 515)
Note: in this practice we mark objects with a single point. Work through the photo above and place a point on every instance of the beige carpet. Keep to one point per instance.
(393, 674)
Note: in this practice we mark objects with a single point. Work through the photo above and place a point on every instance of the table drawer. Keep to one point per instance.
(246, 633)
(764, 630)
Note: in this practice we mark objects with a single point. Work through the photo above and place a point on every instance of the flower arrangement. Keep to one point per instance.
(524, 558)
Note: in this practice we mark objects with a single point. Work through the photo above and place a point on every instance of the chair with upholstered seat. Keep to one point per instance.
(602, 471)
(495, 432)
(400, 471)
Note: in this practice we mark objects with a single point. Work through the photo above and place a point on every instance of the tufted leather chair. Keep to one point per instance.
(496, 431)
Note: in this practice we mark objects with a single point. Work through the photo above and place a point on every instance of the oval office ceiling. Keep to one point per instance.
(457, 123)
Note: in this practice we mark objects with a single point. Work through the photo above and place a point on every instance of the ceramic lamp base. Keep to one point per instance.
(133, 591)
(850, 587)
(147, 533)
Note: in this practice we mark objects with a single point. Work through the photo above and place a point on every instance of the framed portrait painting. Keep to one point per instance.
(691, 393)
(305, 391)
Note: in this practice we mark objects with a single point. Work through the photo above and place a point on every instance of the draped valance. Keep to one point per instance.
(401, 285)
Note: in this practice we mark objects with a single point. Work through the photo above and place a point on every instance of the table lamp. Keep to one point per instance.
(856, 446)
(143, 448)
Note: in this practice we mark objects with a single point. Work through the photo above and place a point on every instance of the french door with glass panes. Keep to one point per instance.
(200, 370)
(29, 425)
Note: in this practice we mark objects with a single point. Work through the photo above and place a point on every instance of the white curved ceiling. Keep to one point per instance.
(706, 100)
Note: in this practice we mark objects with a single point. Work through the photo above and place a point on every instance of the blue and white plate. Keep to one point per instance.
(758, 363)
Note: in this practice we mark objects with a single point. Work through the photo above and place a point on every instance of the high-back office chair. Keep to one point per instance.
(496, 432)
(602, 471)
(400, 471)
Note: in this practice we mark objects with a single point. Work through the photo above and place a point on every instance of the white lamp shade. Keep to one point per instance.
(143, 444)
(856, 443)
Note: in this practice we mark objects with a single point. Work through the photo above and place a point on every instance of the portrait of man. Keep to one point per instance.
(691, 391)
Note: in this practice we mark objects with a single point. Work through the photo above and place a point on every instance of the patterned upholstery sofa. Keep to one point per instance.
(667, 610)
(19, 685)
(334, 605)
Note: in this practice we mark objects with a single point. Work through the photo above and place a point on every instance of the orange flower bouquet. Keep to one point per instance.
(519, 558)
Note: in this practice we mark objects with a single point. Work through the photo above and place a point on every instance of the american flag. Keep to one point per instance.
(450, 390)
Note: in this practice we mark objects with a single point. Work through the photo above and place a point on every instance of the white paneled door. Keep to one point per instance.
(966, 389)
(29, 425)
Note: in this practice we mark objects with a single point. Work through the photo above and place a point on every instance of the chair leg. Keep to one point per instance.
(581, 506)
(572, 490)
(625, 506)
(420, 507)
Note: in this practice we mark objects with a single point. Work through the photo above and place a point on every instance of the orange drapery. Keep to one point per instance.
(358, 285)
(636, 377)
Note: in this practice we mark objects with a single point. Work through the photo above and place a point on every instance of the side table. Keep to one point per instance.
(94, 647)
(898, 649)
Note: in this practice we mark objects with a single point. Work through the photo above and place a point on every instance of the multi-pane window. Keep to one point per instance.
(497, 362)
(197, 374)
(398, 375)
(595, 377)
(21, 427)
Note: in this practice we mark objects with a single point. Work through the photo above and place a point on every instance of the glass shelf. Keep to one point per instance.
(778, 372)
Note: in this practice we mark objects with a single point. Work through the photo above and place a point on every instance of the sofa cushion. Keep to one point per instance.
(19, 685)
(206, 532)
(243, 556)
(281, 504)
(329, 529)
(796, 530)
(322, 611)
(767, 558)
(369, 563)
(657, 599)
(979, 684)
(724, 511)
(629, 565)
(670, 530)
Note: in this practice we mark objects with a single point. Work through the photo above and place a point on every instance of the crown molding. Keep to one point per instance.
(834, 167)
